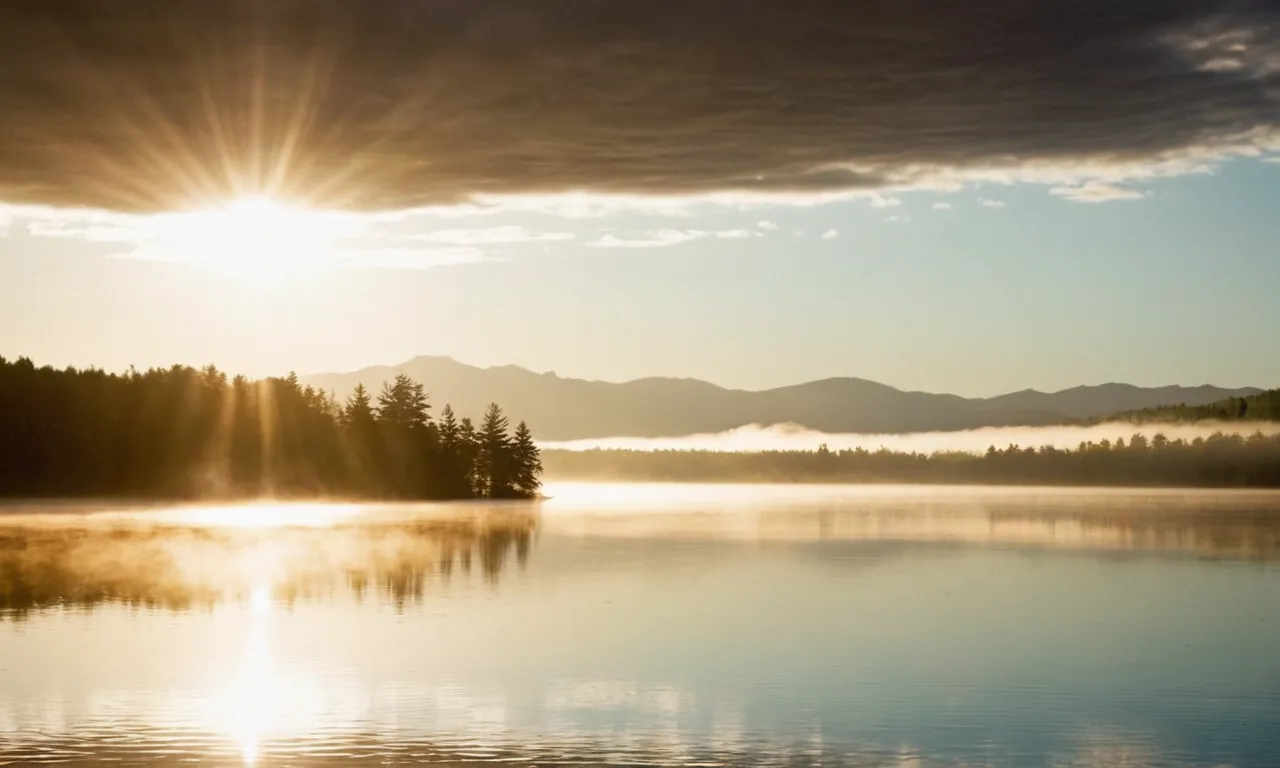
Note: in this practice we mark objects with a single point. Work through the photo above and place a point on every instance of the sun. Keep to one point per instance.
(258, 240)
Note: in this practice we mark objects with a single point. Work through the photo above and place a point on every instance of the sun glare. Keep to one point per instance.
(258, 240)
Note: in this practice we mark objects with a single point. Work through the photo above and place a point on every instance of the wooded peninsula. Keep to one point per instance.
(184, 433)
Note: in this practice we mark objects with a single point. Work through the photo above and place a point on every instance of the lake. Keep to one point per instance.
(650, 625)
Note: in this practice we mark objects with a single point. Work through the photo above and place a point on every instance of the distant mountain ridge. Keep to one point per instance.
(573, 409)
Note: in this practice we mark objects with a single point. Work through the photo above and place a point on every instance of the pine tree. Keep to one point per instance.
(495, 454)
(358, 412)
(468, 453)
(527, 461)
(403, 403)
(448, 429)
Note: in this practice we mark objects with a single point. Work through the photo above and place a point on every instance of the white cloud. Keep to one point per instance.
(881, 201)
(661, 238)
(1096, 192)
(578, 205)
(318, 239)
(942, 206)
(1222, 48)
(830, 234)
(989, 203)
(409, 258)
(1274, 160)
(767, 226)
(492, 236)
(735, 234)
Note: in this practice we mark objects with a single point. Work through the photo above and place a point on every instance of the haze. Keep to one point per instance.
(789, 437)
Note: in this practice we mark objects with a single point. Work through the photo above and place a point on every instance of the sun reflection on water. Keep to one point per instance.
(252, 704)
(257, 691)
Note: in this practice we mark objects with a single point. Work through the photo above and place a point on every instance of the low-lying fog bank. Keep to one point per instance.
(791, 437)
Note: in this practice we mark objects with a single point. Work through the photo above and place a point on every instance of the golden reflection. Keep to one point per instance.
(256, 692)
(306, 551)
(261, 515)
(266, 554)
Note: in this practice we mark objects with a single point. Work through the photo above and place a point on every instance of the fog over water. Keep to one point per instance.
(792, 437)
(649, 624)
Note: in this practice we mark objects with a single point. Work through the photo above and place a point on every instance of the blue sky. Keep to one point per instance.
(930, 290)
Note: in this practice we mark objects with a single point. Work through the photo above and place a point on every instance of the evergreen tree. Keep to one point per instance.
(526, 461)
(468, 454)
(495, 465)
(403, 403)
(449, 430)
(357, 414)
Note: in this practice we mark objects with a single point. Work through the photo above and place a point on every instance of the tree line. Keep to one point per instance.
(1219, 461)
(180, 432)
(1264, 406)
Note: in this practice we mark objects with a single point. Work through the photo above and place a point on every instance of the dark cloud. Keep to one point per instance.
(143, 104)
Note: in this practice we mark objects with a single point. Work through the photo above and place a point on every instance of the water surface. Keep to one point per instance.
(708, 625)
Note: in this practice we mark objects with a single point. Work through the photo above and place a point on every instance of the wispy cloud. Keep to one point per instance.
(942, 206)
(735, 234)
(492, 236)
(989, 203)
(1097, 192)
(325, 239)
(830, 234)
(767, 226)
(661, 238)
(409, 258)
(882, 201)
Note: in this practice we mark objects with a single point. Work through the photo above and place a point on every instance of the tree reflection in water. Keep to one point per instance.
(46, 562)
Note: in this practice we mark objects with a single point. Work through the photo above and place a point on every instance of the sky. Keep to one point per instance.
(975, 200)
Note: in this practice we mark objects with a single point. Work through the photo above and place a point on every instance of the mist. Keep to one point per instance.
(792, 437)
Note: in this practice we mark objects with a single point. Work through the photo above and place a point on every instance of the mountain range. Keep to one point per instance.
(573, 409)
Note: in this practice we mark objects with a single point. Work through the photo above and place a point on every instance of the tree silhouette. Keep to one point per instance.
(403, 403)
(527, 462)
(183, 432)
(495, 459)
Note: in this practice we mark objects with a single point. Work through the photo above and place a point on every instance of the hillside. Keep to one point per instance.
(570, 409)
(1263, 406)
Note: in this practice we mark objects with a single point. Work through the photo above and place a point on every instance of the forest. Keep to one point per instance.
(1264, 406)
(1218, 461)
(185, 433)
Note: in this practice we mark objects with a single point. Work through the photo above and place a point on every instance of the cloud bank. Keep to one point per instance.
(790, 437)
(386, 104)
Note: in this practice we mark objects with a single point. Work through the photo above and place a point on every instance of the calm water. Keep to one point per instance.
(645, 625)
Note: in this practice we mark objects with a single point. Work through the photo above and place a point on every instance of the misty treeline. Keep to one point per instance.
(1264, 406)
(187, 433)
(1220, 461)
